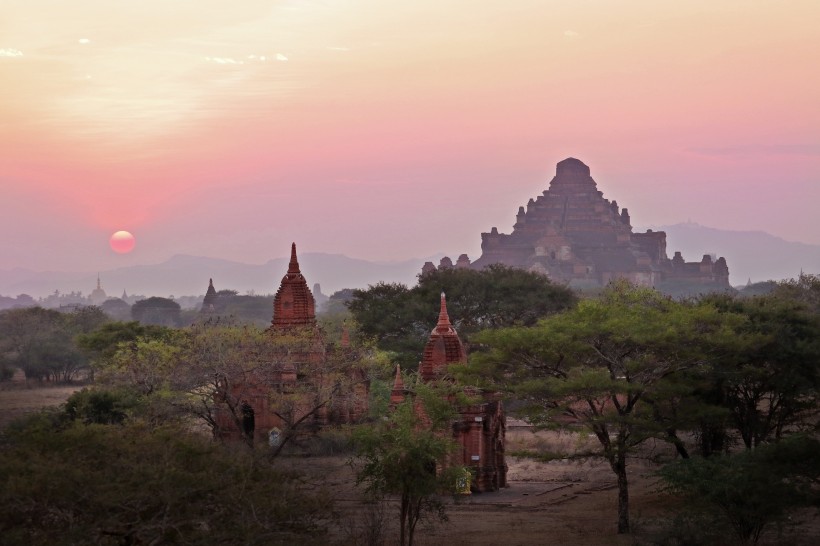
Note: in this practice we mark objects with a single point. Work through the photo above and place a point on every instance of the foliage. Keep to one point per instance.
(804, 289)
(116, 308)
(105, 340)
(337, 302)
(156, 310)
(41, 341)
(407, 455)
(752, 489)
(399, 319)
(102, 406)
(613, 365)
(131, 485)
(230, 307)
(771, 384)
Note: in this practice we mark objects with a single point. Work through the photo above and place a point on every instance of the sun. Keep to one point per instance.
(122, 242)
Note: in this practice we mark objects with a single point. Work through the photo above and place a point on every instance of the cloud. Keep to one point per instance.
(280, 57)
(84, 41)
(223, 60)
(334, 48)
(10, 52)
(571, 33)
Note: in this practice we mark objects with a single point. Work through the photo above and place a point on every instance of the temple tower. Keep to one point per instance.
(443, 348)
(97, 295)
(209, 302)
(480, 426)
(293, 305)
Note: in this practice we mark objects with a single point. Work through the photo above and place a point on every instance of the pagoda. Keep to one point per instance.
(297, 373)
(480, 426)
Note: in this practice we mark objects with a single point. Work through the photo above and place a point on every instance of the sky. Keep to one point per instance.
(391, 130)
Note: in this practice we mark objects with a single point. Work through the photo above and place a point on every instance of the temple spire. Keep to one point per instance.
(397, 394)
(443, 318)
(98, 282)
(293, 266)
(293, 304)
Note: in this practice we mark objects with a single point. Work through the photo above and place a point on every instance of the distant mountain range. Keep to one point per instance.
(754, 255)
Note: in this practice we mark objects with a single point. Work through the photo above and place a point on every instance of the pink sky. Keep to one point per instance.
(390, 130)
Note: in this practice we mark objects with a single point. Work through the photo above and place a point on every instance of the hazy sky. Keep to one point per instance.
(387, 129)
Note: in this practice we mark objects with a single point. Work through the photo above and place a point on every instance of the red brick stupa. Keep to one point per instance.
(480, 426)
(443, 348)
(293, 305)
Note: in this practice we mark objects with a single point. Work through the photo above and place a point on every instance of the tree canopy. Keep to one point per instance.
(608, 364)
(131, 484)
(156, 310)
(399, 319)
(41, 342)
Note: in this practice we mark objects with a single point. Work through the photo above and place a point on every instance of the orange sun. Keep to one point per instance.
(122, 242)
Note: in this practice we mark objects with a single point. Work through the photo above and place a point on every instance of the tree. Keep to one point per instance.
(214, 372)
(116, 308)
(103, 342)
(398, 318)
(407, 455)
(753, 489)
(155, 310)
(609, 364)
(804, 289)
(131, 484)
(41, 342)
(772, 383)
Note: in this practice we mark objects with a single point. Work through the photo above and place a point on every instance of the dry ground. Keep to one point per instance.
(572, 502)
(18, 399)
(559, 502)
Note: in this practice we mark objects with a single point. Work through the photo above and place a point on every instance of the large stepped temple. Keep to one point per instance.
(572, 234)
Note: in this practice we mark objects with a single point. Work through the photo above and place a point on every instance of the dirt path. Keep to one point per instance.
(559, 502)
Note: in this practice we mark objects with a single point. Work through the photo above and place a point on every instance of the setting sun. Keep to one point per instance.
(122, 242)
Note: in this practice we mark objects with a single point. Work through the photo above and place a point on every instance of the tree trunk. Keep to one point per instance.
(623, 496)
(678, 443)
(404, 509)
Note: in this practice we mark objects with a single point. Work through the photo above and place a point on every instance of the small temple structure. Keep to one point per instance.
(304, 381)
(572, 234)
(210, 300)
(98, 295)
(480, 428)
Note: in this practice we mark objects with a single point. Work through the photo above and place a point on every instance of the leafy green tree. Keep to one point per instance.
(155, 310)
(804, 289)
(103, 342)
(399, 319)
(611, 364)
(772, 383)
(131, 484)
(41, 342)
(116, 308)
(149, 365)
(407, 455)
(26, 337)
(753, 489)
(102, 406)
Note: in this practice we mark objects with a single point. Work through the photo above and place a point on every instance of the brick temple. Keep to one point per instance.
(480, 428)
(299, 371)
(572, 234)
